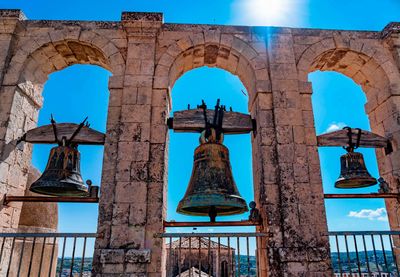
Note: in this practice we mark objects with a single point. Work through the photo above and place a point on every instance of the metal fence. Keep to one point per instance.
(46, 254)
(354, 254)
(211, 254)
(362, 254)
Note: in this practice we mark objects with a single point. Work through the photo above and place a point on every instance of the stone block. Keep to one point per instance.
(126, 237)
(137, 256)
(137, 214)
(112, 256)
(136, 113)
(135, 132)
(120, 211)
(130, 192)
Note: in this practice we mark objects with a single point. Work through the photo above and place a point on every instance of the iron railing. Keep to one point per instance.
(354, 254)
(365, 253)
(46, 254)
(211, 254)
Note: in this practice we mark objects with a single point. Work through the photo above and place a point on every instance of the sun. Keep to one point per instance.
(268, 12)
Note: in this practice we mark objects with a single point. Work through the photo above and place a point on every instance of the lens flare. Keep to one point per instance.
(268, 12)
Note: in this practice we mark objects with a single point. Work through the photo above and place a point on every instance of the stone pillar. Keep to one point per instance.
(19, 105)
(384, 119)
(287, 171)
(131, 208)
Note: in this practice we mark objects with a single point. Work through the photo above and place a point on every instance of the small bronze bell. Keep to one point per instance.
(212, 190)
(353, 172)
(62, 176)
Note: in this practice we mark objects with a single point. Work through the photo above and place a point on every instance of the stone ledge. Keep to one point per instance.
(18, 14)
(141, 16)
(112, 256)
(392, 27)
(137, 256)
(120, 256)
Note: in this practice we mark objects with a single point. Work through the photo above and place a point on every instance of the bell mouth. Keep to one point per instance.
(343, 183)
(200, 205)
(59, 189)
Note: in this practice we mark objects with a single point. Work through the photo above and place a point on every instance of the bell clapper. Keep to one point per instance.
(212, 213)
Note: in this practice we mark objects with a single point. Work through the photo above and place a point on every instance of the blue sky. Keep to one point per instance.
(80, 91)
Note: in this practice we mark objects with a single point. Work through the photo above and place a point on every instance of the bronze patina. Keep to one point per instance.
(62, 176)
(353, 172)
(212, 190)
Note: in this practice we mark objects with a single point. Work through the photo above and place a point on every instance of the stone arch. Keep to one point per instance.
(227, 52)
(368, 63)
(39, 56)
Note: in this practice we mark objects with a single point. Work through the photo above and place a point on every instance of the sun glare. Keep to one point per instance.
(269, 12)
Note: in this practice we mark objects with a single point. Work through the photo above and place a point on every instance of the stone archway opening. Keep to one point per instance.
(200, 53)
(70, 95)
(208, 84)
(365, 88)
(338, 102)
(68, 79)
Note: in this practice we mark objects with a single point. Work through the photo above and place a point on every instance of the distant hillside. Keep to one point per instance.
(351, 263)
(347, 263)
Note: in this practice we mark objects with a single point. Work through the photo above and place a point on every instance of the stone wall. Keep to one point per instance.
(146, 56)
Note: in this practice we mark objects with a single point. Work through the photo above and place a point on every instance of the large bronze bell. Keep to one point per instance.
(212, 190)
(62, 176)
(353, 172)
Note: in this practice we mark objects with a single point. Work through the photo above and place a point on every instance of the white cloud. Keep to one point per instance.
(378, 214)
(334, 126)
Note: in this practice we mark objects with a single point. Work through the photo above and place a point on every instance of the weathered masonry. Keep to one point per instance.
(146, 56)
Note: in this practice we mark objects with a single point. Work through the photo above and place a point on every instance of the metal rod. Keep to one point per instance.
(31, 257)
(384, 254)
(219, 257)
(376, 257)
(73, 258)
(170, 256)
(394, 255)
(360, 233)
(47, 235)
(366, 255)
(216, 235)
(48, 199)
(229, 257)
(338, 251)
(52, 257)
(205, 224)
(358, 258)
(248, 257)
(348, 254)
(11, 254)
(360, 195)
(208, 256)
(179, 257)
(83, 256)
(238, 249)
(21, 256)
(62, 256)
(2, 248)
(41, 256)
(190, 256)
(199, 256)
